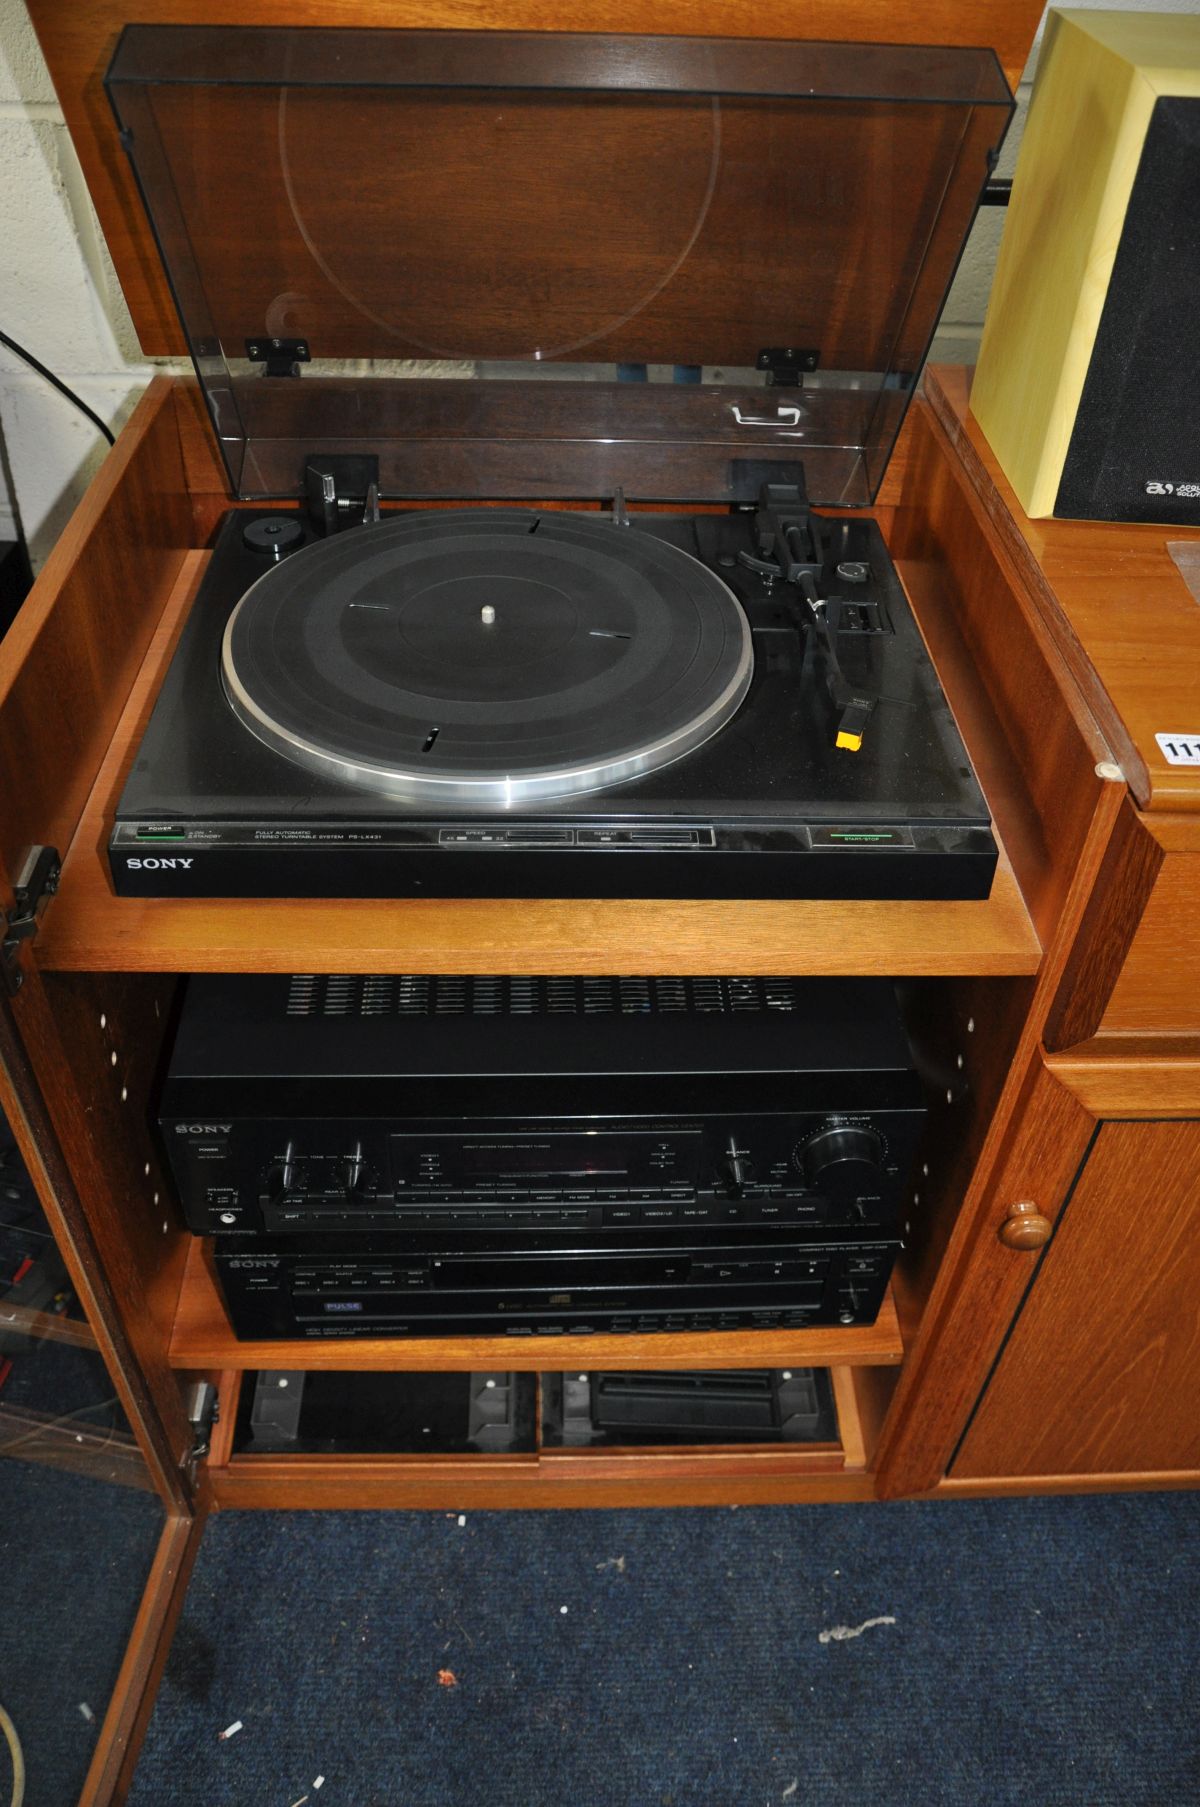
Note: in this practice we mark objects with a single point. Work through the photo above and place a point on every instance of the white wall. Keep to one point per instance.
(59, 295)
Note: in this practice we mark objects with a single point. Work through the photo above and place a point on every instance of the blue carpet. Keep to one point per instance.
(1043, 1651)
(74, 1556)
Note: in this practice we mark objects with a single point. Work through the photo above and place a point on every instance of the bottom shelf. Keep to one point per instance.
(203, 1339)
(832, 1421)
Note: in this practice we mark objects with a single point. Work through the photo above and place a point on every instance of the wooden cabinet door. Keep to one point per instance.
(1100, 1374)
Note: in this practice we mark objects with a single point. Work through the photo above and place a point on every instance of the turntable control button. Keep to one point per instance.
(274, 537)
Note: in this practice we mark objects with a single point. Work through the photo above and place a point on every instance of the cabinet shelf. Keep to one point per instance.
(88, 929)
(693, 1475)
(202, 1339)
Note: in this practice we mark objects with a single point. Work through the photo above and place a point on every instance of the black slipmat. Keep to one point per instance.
(476, 651)
(752, 797)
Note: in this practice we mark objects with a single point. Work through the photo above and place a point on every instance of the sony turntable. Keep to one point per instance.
(591, 697)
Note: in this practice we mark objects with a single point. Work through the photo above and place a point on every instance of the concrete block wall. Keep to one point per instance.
(60, 298)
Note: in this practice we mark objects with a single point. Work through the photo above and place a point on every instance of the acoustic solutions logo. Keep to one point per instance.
(1187, 492)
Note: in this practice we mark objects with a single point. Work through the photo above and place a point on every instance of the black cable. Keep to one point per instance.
(34, 364)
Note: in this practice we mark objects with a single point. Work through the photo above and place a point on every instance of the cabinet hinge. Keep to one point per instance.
(786, 365)
(35, 884)
(281, 357)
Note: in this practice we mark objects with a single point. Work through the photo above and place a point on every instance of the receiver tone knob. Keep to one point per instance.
(845, 1157)
(736, 1168)
(281, 1176)
(353, 1172)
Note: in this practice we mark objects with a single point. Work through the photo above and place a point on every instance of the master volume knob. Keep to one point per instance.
(844, 1158)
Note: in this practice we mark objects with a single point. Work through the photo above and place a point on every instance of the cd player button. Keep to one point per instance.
(733, 1213)
(659, 1213)
(622, 1213)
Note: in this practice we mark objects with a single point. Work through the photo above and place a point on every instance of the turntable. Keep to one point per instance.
(682, 287)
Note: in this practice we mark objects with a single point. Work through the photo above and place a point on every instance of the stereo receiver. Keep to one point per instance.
(332, 1106)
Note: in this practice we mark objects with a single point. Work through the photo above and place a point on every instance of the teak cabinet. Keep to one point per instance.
(1008, 1003)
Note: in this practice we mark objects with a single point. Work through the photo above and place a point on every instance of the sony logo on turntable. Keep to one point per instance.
(159, 865)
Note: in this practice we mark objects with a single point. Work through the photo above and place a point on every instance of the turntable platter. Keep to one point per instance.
(486, 656)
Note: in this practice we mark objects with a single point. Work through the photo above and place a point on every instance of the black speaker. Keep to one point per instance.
(1088, 383)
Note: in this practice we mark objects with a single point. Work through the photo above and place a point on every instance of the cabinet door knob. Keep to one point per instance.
(1025, 1227)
